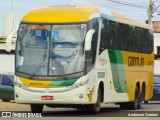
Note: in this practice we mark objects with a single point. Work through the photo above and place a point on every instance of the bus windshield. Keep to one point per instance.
(52, 50)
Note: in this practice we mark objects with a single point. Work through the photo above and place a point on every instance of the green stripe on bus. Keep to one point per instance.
(118, 71)
(63, 82)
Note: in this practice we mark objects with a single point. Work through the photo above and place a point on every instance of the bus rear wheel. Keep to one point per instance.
(95, 108)
(137, 103)
(139, 100)
(36, 108)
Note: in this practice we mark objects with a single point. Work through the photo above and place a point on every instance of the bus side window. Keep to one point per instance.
(146, 41)
(144, 44)
(150, 41)
(104, 40)
(112, 35)
(121, 38)
(127, 36)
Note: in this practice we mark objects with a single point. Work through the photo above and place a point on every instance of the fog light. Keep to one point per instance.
(81, 96)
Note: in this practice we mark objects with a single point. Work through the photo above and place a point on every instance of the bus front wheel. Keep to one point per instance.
(36, 108)
(95, 108)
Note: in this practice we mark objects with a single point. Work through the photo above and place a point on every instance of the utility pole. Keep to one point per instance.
(150, 12)
(11, 6)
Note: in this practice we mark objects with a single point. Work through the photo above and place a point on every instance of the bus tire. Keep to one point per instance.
(36, 108)
(95, 108)
(134, 104)
(139, 100)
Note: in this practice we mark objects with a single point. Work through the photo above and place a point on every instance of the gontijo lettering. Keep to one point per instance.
(135, 62)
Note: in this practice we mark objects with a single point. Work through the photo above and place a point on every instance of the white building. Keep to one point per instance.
(9, 24)
(157, 43)
(157, 53)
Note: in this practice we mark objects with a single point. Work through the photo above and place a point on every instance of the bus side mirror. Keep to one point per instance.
(88, 39)
(9, 40)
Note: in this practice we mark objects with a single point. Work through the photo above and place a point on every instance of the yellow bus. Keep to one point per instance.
(80, 57)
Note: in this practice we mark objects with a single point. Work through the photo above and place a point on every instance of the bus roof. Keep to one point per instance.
(60, 14)
(73, 14)
(124, 19)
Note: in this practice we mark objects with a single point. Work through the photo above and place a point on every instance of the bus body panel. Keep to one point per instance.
(123, 71)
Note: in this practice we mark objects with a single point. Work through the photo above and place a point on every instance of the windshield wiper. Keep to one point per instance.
(41, 63)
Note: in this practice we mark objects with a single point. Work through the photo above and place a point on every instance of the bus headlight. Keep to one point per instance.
(78, 84)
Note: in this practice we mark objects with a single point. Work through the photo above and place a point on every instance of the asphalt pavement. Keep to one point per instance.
(108, 112)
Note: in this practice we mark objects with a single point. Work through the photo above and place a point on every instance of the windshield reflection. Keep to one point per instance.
(67, 49)
(44, 51)
(32, 46)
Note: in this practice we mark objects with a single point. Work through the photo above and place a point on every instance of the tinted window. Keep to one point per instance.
(119, 36)
(128, 33)
(150, 41)
(6, 80)
(104, 44)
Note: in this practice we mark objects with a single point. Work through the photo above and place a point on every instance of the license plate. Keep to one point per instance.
(47, 97)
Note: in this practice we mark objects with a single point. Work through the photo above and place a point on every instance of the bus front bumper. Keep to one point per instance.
(74, 96)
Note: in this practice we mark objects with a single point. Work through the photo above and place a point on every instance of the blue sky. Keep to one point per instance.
(20, 7)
